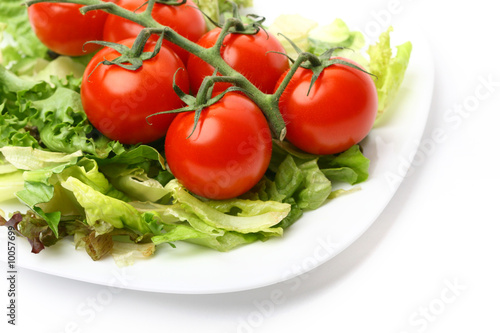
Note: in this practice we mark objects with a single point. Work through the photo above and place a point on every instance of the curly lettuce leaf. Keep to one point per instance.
(27, 158)
(349, 167)
(37, 190)
(135, 182)
(33, 228)
(43, 175)
(389, 71)
(305, 181)
(251, 216)
(17, 39)
(100, 207)
(39, 115)
(225, 242)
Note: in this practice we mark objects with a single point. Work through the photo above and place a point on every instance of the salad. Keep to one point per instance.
(117, 168)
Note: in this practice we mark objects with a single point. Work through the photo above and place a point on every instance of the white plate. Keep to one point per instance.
(314, 239)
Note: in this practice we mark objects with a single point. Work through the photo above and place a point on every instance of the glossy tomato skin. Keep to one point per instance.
(185, 19)
(248, 54)
(63, 29)
(338, 112)
(117, 101)
(227, 154)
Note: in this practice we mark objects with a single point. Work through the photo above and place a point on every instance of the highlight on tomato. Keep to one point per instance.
(186, 19)
(64, 29)
(253, 56)
(227, 153)
(117, 101)
(333, 114)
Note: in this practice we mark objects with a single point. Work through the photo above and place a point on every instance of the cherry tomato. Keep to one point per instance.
(63, 29)
(248, 54)
(117, 100)
(338, 112)
(228, 152)
(186, 19)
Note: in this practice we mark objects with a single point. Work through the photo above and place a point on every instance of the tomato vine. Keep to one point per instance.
(268, 103)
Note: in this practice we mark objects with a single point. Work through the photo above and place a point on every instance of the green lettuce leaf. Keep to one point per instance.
(305, 181)
(295, 28)
(349, 167)
(135, 182)
(17, 39)
(65, 69)
(36, 193)
(102, 208)
(225, 6)
(40, 115)
(389, 71)
(36, 189)
(10, 183)
(225, 242)
(215, 8)
(27, 158)
(251, 217)
(335, 35)
(315, 188)
(220, 225)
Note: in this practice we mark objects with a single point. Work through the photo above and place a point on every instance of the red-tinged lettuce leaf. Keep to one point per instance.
(33, 228)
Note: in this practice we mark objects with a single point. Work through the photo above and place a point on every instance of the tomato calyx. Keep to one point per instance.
(317, 64)
(325, 61)
(203, 99)
(131, 58)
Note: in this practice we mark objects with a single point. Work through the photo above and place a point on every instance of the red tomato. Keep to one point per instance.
(338, 112)
(63, 29)
(117, 100)
(248, 54)
(186, 19)
(227, 154)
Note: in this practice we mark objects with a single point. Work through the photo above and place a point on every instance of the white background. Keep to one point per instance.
(428, 264)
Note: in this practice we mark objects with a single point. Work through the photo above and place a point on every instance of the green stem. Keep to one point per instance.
(302, 57)
(149, 8)
(140, 42)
